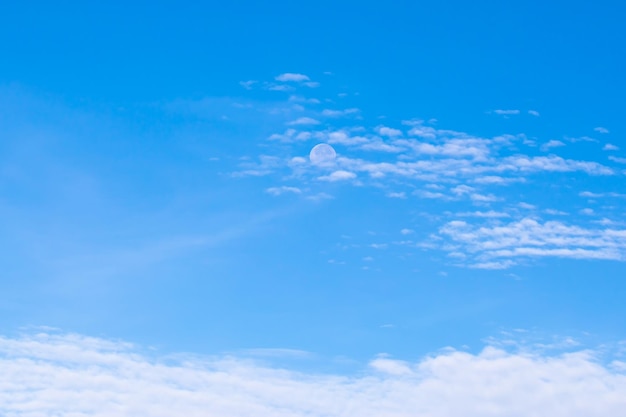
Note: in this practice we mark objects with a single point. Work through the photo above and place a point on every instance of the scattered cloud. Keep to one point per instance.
(610, 147)
(534, 113)
(530, 238)
(617, 159)
(600, 129)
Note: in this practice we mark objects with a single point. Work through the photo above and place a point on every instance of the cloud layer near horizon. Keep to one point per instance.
(74, 375)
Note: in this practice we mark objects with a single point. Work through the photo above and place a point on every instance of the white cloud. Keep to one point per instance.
(554, 163)
(528, 238)
(292, 77)
(497, 180)
(304, 121)
(610, 147)
(407, 231)
(401, 195)
(247, 84)
(506, 112)
(534, 113)
(388, 131)
(600, 129)
(617, 159)
(551, 144)
(484, 214)
(282, 190)
(339, 113)
(380, 146)
(72, 375)
(279, 87)
(339, 175)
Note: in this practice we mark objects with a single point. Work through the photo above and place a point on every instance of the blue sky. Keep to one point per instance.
(157, 187)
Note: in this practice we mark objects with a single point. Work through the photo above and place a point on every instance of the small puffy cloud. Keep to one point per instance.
(276, 191)
(292, 77)
(396, 195)
(610, 147)
(304, 121)
(552, 144)
(391, 366)
(339, 175)
(406, 231)
(617, 159)
(388, 131)
(534, 113)
(601, 129)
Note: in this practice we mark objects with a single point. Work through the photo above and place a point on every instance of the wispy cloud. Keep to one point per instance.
(339, 113)
(610, 147)
(304, 121)
(503, 112)
(601, 130)
(247, 84)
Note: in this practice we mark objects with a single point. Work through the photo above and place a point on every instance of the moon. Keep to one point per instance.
(322, 154)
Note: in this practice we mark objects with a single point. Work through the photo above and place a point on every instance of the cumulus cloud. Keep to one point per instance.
(73, 375)
(600, 129)
(388, 131)
(292, 77)
(534, 113)
(610, 147)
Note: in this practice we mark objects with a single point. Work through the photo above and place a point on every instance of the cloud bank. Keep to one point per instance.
(72, 375)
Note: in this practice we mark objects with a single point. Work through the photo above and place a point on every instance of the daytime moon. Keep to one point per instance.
(322, 154)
